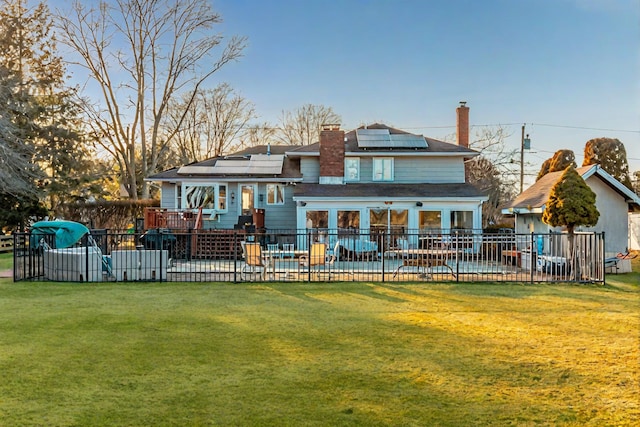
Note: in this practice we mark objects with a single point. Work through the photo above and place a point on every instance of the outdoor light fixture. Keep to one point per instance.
(233, 196)
(418, 204)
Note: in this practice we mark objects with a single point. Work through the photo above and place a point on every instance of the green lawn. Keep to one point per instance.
(319, 354)
(6, 261)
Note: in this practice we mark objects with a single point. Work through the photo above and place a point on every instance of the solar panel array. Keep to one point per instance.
(259, 164)
(381, 138)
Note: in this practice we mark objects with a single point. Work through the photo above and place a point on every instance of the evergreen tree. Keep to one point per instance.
(571, 204)
(611, 155)
(559, 162)
(41, 107)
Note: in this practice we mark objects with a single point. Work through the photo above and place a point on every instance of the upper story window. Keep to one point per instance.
(275, 194)
(205, 196)
(383, 169)
(352, 169)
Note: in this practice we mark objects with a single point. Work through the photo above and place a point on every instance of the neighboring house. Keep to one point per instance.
(634, 231)
(372, 178)
(614, 201)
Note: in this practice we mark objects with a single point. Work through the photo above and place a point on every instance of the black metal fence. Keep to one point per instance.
(313, 255)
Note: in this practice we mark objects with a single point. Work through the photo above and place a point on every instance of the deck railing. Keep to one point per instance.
(292, 255)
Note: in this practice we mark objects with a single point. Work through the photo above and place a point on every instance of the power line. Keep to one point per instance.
(584, 128)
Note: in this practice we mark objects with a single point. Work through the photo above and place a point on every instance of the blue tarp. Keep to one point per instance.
(67, 233)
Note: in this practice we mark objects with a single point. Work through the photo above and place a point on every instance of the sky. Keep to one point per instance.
(569, 70)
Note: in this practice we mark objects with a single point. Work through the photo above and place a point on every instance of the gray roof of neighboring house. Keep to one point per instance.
(536, 196)
(387, 191)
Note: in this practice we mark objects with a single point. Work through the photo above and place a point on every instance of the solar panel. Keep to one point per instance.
(196, 170)
(407, 140)
(381, 138)
(230, 167)
(263, 164)
(259, 164)
(373, 138)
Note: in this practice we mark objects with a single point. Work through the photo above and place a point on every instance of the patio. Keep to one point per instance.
(172, 256)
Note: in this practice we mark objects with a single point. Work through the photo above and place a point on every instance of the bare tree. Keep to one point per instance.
(303, 125)
(492, 171)
(258, 134)
(141, 54)
(214, 120)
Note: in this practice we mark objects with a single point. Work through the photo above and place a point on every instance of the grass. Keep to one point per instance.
(320, 354)
(6, 261)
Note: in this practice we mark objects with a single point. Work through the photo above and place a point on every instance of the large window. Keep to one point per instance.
(352, 169)
(210, 196)
(462, 220)
(275, 194)
(430, 220)
(383, 169)
(317, 219)
(349, 220)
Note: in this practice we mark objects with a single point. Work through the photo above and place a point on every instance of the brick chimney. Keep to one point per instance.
(331, 154)
(462, 124)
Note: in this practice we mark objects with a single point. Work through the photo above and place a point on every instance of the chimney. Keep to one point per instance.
(462, 124)
(331, 154)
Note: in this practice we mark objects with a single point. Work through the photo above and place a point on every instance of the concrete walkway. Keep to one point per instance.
(6, 274)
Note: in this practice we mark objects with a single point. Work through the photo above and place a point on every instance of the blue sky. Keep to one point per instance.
(569, 69)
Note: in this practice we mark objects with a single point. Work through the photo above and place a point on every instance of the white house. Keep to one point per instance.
(614, 201)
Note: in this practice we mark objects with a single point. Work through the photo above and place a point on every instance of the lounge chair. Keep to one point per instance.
(254, 260)
(614, 262)
(316, 259)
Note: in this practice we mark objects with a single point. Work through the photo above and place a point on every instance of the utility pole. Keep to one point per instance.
(525, 144)
(522, 160)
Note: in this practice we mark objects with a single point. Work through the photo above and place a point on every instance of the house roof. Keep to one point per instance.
(432, 146)
(534, 198)
(239, 166)
(387, 191)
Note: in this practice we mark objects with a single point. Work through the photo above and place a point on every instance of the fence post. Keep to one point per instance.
(235, 256)
(534, 256)
(382, 250)
(601, 254)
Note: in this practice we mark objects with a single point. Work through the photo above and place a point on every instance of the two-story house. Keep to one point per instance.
(371, 178)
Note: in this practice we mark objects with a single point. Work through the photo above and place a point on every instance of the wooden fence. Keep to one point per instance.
(6, 243)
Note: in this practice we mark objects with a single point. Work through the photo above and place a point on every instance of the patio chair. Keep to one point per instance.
(316, 259)
(613, 262)
(254, 260)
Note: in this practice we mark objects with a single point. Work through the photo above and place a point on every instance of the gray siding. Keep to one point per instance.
(281, 216)
(415, 170)
(310, 169)
(168, 196)
(407, 170)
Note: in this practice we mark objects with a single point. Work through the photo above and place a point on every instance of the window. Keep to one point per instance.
(462, 220)
(349, 220)
(210, 196)
(352, 169)
(383, 169)
(430, 220)
(179, 196)
(317, 219)
(247, 199)
(222, 198)
(275, 194)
